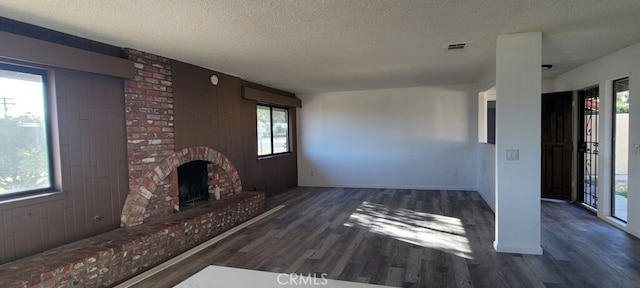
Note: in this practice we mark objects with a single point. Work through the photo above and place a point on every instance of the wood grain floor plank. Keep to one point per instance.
(461, 272)
(412, 270)
(417, 238)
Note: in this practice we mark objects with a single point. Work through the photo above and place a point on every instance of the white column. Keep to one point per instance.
(518, 136)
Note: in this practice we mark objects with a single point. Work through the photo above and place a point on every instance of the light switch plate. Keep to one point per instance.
(513, 154)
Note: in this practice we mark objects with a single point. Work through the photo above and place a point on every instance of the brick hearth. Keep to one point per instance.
(112, 257)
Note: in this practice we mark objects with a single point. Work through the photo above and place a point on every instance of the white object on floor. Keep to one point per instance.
(220, 276)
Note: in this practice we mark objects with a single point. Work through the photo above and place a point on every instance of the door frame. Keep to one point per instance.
(580, 181)
(569, 146)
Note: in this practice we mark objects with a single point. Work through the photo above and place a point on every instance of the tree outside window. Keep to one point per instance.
(25, 164)
(273, 130)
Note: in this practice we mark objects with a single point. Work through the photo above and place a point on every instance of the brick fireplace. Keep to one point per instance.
(153, 161)
(135, 212)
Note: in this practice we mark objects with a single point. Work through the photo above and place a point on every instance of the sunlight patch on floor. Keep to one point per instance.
(423, 229)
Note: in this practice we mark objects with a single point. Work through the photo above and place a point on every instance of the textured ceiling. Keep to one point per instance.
(331, 45)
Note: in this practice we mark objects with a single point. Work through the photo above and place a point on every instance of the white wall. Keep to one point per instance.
(547, 85)
(625, 62)
(418, 137)
(487, 173)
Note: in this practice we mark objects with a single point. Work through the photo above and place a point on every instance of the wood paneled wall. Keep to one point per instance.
(220, 118)
(91, 122)
(93, 155)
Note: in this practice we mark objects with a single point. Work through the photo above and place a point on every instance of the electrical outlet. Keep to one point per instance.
(312, 174)
(636, 149)
(513, 154)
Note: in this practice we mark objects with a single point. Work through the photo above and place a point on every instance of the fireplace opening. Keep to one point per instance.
(193, 182)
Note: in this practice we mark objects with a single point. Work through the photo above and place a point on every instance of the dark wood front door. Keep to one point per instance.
(557, 145)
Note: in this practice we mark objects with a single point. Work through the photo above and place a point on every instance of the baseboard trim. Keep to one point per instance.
(529, 250)
(402, 187)
(194, 250)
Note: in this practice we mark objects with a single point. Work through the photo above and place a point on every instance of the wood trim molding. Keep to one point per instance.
(24, 49)
(271, 98)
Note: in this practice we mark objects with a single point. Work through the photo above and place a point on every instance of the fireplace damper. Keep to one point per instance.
(193, 182)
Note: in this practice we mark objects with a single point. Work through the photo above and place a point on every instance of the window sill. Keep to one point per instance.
(275, 156)
(616, 221)
(29, 200)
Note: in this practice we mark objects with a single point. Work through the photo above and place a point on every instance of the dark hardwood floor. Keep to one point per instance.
(415, 238)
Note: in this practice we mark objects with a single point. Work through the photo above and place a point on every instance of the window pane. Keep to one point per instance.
(24, 152)
(264, 130)
(620, 157)
(280, 130)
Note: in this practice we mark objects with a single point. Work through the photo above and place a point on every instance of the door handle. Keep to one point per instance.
(582, 147)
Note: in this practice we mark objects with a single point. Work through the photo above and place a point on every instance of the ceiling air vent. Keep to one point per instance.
(456, 46)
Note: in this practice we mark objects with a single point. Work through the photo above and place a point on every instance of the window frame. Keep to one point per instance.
(47, 120)
(614, 151)
(288, 117)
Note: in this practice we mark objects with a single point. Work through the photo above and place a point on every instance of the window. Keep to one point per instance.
(273, 130)
(620, 151)
(25, 146)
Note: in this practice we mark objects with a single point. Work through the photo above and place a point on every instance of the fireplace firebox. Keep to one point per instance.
(193, 182)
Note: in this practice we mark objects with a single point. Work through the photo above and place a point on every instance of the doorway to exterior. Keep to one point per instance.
(588, 146)
(557, 145)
